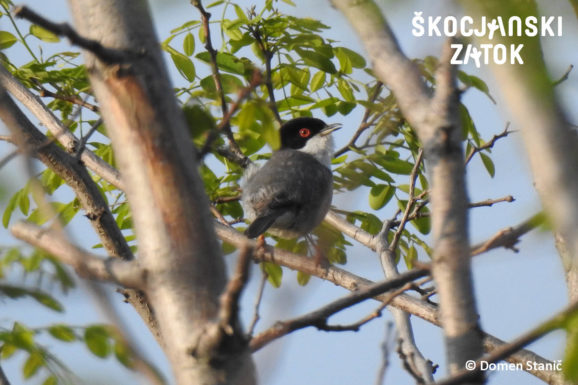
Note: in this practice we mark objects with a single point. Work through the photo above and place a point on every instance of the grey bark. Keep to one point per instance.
(176, 240)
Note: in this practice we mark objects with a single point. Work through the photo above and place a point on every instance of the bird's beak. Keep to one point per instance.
(330, 128)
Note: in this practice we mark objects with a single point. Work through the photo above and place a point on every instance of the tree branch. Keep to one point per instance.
(318, 318)
(55, 126)
(517, 344)
(86, 265)
(352, 282)
(70, 99)
(508, 237)
(489, 144)
(107, 55)
(268, 54)
(364, 125)
(229, 300)
(225, 124)
(73, 173)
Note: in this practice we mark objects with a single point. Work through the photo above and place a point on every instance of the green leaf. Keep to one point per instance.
(303, 278)
(274, 273)
(10, 209)
(184, 65)
(317, 60)
(51, 380)
(23, 337)
(318, 81)
(97, 340)
(225, 61)
(230, 83)
(47, 300)
(34, 362)
(7, 40)
(7, 350)
(189, 44)
(410, 257)
(185, 26)
(123, 354)
(488, 164)
(345, 65)
(345, 90)
(24, 202)
(356, 60)
(43, 34)
(62, 332)
(423, 224)
(379, 195)
(394, 165)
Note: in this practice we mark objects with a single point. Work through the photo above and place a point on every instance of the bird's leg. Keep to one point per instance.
(261, 241)
(318, 254)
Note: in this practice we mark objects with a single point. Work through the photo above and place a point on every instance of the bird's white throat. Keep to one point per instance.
(321, 147)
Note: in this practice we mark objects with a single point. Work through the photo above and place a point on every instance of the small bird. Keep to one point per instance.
(291, 193)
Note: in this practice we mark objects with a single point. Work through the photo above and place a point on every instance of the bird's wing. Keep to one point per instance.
(278, 204)
(274, 194)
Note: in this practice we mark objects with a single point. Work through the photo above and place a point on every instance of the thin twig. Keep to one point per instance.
(564, 76)
(84, 139)
(319, 317)
(491, 202)
(268, 54)
(3, 378)
(225, 124)
(364, 125)
(33, 103)
(508, 237)
(71, 99)
(258, 300)
(105, 54)
(8, 157)
(385, 350)
(489, 144)
(410, 202)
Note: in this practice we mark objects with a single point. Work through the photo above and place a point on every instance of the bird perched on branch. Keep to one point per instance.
(291, 193)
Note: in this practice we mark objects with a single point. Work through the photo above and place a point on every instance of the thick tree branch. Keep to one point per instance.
(170, 210)
(87, 265)
(436, 121)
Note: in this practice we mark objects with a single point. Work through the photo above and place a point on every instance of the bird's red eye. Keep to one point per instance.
(304, 132)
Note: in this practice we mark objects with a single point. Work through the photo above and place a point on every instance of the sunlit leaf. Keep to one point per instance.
(43, 34)
(7, 39)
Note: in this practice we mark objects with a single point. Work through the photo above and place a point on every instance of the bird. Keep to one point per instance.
(291, 193)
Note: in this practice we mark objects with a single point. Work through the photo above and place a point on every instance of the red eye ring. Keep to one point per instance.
(304, 132)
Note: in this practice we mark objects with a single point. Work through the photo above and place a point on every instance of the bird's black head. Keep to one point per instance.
(296, 132)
